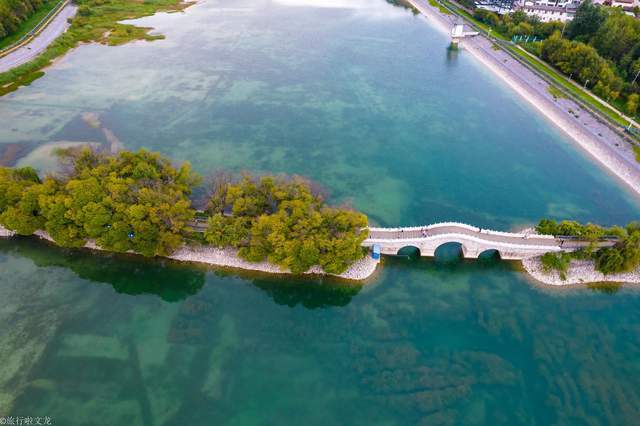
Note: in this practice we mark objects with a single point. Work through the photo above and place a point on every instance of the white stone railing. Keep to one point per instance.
(462, 238)
(464, 226)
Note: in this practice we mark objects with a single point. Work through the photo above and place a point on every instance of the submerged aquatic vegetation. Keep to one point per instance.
(97, 21)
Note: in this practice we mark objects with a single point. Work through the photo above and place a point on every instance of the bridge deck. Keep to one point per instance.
(474, 240)
(427, 232)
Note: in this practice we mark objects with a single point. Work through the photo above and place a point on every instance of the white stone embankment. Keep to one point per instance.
(579, 272)
(359, 271)
(587, 130)
(6, 233)
(228, 258)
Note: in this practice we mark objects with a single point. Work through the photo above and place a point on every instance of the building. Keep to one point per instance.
(626, 5)
(551, 10)
(500, 7)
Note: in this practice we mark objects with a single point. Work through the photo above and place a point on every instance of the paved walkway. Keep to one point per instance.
(460, 229)
(26, 53)
(474, 241)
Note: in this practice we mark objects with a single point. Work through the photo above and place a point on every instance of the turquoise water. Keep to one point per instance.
(94, 339)
(368, 100)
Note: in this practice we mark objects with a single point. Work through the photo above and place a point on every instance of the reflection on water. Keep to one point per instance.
(131, 275)
(452, 54)
(173, 281)
(431, 342)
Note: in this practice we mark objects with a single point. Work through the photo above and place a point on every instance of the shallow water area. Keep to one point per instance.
(112, 339)
(368, 100)
(361, 96)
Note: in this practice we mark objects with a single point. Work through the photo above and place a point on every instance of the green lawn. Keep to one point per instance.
(29, 24)
(444, 10)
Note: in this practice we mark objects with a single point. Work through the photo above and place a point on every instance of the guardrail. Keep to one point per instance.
(36, 30)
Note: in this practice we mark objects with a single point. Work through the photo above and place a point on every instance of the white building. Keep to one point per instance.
(626, 5)
(500, 7)
(551, 10)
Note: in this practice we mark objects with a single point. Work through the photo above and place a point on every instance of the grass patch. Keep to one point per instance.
(636, 150)
(556, 262)
(29, 24)
(556, 93)
(442, 9)
(96, 21)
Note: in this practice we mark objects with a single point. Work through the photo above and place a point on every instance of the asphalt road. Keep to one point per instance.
(36, 46)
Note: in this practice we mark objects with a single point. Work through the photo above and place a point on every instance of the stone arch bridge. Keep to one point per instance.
(473, 241)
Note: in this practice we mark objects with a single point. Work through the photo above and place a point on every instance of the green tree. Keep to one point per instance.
(281, 220)
(631, 105)
(126, 202)
(617, 35)
(20, 190)
(588, 20)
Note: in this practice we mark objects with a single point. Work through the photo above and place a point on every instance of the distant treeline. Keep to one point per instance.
(599, 48)
(15, 12)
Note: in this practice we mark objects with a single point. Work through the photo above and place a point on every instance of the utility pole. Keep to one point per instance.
(563, 27)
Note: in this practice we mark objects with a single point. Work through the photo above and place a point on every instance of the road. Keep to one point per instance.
(36, 46)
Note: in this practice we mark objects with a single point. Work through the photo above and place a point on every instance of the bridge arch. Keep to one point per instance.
(409, 251)
(450, 251)
(490, 254)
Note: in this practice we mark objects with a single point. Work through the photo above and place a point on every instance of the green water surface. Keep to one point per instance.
(368, 100)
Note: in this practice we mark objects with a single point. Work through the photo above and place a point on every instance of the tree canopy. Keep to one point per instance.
(599, 48)
(140, 202)
(624, 256)
(129, 201)
(589, 18)
(281, 220)
(14, 12)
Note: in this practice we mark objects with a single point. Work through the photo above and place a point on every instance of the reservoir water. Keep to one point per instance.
(369, 101)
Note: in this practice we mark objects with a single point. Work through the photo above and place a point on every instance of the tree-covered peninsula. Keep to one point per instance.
(624, 256)
(139, 202)
(127, 202)
(283, 221)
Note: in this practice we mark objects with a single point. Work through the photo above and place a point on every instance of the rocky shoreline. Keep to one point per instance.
(579, 272)
(6, 233)
(361, 270)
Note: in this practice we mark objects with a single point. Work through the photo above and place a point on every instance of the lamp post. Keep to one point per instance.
(585, 85)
